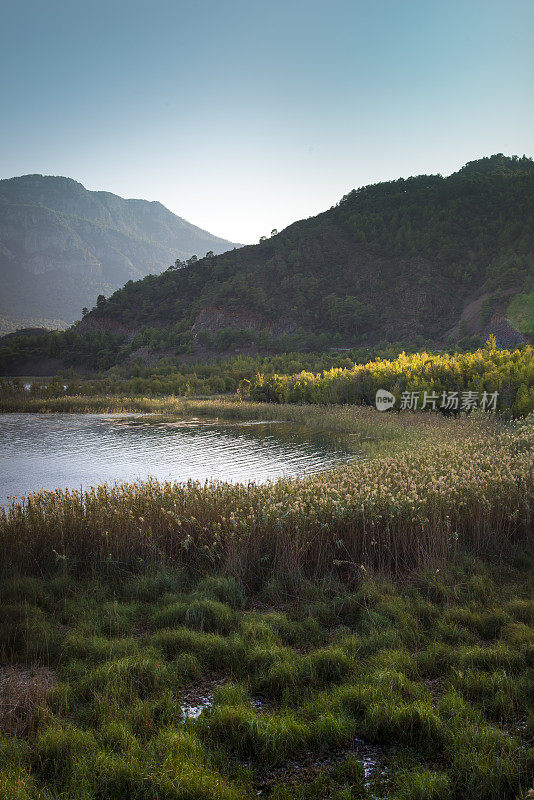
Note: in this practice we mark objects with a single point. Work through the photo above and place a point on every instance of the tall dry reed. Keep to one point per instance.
(390, 513)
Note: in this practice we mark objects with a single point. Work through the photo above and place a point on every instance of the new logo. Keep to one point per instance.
(384, 400)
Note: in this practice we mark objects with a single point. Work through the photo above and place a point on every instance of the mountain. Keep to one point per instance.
(62, 245)
(427, 257)
(423, 262)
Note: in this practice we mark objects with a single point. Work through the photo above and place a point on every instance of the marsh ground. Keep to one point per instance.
(365, 633)
(162, 687)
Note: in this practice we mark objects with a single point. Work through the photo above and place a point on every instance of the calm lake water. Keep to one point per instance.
(71, 450)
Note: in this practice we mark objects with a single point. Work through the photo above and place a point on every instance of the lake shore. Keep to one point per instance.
(70, 450)
(377, 431)
(427, 482)
(366, 632)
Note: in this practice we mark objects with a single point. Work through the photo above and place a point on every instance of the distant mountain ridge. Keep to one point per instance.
(62, 245)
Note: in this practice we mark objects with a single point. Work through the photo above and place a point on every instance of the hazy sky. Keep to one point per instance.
(244, 115)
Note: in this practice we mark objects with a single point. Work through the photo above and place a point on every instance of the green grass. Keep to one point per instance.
(292, 686)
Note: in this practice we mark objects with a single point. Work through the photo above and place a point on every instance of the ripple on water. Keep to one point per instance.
(68, 450)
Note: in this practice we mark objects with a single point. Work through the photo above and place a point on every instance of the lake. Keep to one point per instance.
(54, 451)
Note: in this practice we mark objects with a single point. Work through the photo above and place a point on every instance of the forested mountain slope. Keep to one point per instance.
(392, 261)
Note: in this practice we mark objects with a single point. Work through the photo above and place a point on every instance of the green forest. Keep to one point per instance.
(332, 274)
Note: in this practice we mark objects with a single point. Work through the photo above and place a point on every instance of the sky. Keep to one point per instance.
(246, 115)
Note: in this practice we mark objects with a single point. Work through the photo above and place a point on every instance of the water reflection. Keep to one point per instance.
(69, 450)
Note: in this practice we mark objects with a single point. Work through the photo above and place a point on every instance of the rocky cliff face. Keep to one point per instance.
(62, 245)
(91, 324)
(214, 319)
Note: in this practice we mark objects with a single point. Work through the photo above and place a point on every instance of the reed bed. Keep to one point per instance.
(88, 404)
(332, 416)
(471, 484)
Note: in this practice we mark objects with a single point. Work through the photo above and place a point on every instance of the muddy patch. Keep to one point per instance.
(200, 697)
(23, 691)
(310, 766)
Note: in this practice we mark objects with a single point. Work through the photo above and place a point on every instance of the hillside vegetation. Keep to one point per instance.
(391, 261)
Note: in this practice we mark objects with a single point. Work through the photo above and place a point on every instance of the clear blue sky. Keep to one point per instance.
(244, 115)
